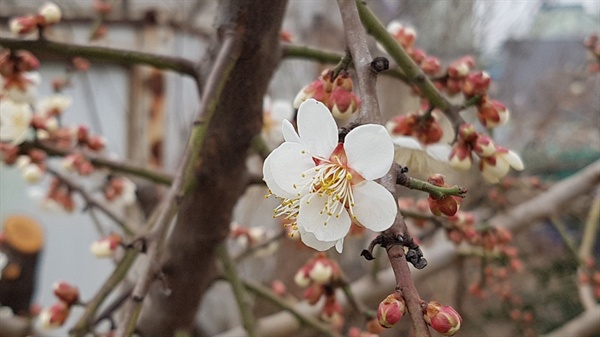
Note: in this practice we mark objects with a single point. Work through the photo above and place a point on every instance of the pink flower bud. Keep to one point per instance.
(343, 103)
(314, 90)
(418, 55)
(484, 146)
(22, 25)
(461, 67)
(102, 7)
(391, 310)
(313, 293)
(476, 83)
(405, 36)
(430, 65)
(321, 272)
(301, 278)
(26, 61)
(66, 292)
(460, 156)
(279, 288)
(442, 318)
(402, 125)
(106, 247)
(447, 205)
(492, 113)
(96, 143)
(467, 132)
(54, 316)
(50, 13)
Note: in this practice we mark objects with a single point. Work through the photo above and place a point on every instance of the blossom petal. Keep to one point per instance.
(311, 241)
(408, 142)
(374, 206)
(284, 167)
(370, 151)
(289, 134)
(514, 160)
(317, 128)
(439, 152)
(314, 220)
(339, 245)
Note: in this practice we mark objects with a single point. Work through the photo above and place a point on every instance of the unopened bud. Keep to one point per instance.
(442, 318)
(391, 310)
(54, 316)
(105, 247)
(66, 292)
(50, 13)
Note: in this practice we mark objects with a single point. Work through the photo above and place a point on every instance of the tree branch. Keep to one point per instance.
(111, 55)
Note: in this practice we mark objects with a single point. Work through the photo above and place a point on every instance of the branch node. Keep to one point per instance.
(380, 64)
(414, 254)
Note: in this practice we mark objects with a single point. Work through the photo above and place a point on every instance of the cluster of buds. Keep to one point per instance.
(60, 196)
(423, 125)
(491, 113)
(391, 310)
(494, 161)
(461, 228)
(56, 315)
(419, 207)
(336, 93)
(332, 312)
(32, 165)
(120, 191)
(47, 15)
(592, 44)
(77, 163)
(19, 79)
(406, 36)
(456, 75)
(106, 246)
(442, 318)
(447, 205)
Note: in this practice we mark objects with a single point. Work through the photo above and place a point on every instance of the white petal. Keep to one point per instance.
(281, 110)
(317, 128)
(311, 241)
(375, 207)
(440, 152)
(370, 150)
(289, 134)
(407, 142)
(514, 160)
(339, 245)
(316, 221)
(284, 167)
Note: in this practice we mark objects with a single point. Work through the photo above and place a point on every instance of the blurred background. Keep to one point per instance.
(532, 49)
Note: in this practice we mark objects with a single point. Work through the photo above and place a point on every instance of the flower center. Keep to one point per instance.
(333, 179)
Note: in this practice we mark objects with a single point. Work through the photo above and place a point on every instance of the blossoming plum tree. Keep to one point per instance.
(332, 166)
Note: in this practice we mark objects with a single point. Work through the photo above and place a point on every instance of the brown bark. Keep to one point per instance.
(203, 221)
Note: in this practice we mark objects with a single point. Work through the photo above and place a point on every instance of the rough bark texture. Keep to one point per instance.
(203, 221)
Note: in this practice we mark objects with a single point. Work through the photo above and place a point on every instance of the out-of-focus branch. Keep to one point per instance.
(239, 291)
(585, 325)
(444, 253)
(112, 55)
(590, 234)
(92, 201)
(113, 165)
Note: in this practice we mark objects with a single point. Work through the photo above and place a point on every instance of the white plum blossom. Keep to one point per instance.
(50, 12)
(21, 88)
(274, 112)
(495, 167)
(421, 158)
(325, 185)
(14, 121)
(54, 105)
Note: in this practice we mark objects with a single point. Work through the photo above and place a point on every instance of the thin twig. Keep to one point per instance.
(91, 201)
(239, 291)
